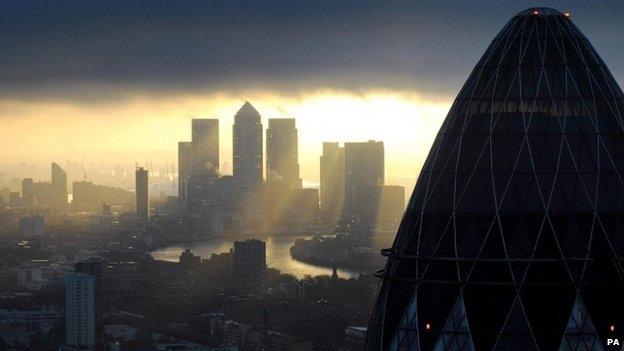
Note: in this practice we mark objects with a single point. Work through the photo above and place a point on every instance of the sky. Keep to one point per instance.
(117, 82)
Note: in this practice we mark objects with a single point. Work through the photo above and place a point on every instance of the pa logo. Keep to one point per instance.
(613, 342)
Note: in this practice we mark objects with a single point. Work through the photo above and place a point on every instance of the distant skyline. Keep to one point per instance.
(117, 83)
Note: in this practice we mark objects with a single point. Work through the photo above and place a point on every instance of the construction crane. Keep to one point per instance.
(151, 175)
(84, 173)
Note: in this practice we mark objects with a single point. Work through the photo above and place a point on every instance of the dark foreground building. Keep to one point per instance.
(514, 235)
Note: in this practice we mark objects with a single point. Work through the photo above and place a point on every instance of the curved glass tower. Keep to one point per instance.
(514, 236)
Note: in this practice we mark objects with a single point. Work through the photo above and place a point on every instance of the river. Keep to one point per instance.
(277, 256)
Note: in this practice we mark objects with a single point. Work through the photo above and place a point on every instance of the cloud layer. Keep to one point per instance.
(64, 47)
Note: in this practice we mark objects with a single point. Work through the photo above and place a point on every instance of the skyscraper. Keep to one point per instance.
(249, 265)
(28, 191)
(95, 268)
(80, 310)
(32, 226)
(59, 186)
(205, 146)
(364, 170)
(513, 238)
(142, 193)
(283, 152)
(332, 182)
(247, 148)
(185, 167)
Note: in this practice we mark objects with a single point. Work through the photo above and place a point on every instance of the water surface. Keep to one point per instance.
(277, 251)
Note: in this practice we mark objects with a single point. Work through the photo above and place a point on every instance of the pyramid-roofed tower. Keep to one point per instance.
(247, 111)
(514, 235)
(247, 144)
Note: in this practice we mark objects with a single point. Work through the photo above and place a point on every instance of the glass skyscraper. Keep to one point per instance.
(514, 235)
(282, 150)
(247, 144)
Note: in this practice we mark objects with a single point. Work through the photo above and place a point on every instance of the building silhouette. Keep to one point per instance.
(142, 193)
(80, 311)
(95, 268)
(89, 197)
(283, 152)
(28, 191)
(31, 226)
(247, 144)
(512, 239)
(205, 146)
(364, 170)
(59, 186)
(249, 266)
(332, 188)
(185, 168)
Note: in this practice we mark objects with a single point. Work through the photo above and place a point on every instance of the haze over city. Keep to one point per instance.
(314, 175)
(123, 88)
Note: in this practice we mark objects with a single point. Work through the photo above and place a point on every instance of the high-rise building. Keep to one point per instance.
(59, 186)
(513, 236)
(332, 182)
(205, 146)
(364, 169)
(283, 152)
(31, 226)
(185, 168)
(95, 268)
(247, 144)
(249, 266)
(142, 193)
(28, 191)
(89, 197)
(80, 309)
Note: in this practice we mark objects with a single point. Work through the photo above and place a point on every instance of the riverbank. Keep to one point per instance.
(278, 255)
(340, 250)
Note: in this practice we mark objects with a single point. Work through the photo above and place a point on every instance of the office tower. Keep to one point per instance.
(89, 197)
(283, 152)
(247, 144)
(59, 186)
(513, 237)
(364, 169)
(185, 167)
(233, 195)
(332, 182)
(142, 193)
(249, 266)
(31, 226)
(80, 310)
(205, 147)
(28, 191)
(95, 268)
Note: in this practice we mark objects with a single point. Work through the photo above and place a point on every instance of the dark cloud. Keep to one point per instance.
(59, 47)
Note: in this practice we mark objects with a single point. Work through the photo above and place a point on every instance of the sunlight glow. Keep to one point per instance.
(147, 128)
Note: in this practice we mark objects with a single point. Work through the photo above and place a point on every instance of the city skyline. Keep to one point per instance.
(400, 168)
(84, 116)
(244, 175)
(82, 168)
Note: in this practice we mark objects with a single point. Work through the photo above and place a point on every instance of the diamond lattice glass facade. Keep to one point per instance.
(514, 236)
